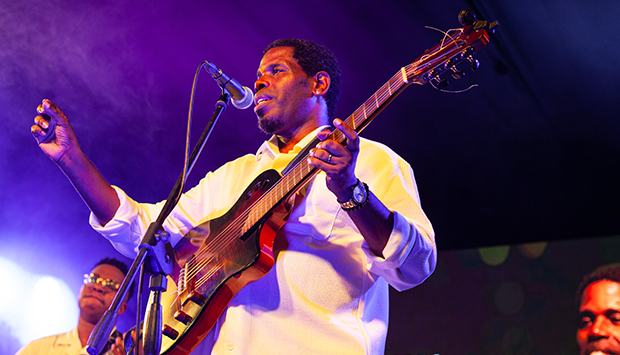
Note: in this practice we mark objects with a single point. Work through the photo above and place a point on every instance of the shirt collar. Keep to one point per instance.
(271, 145)
(73, 337)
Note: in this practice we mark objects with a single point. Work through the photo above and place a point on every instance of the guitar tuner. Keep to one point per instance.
(468, 18)
(469, 51)
(456, 73)
(474, 63)
(439, 83)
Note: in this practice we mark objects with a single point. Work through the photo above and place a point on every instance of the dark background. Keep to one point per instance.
(530, 154)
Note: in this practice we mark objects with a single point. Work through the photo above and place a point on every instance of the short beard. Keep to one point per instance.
(270, 126)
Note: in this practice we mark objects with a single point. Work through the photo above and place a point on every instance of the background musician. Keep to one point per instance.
(95, 296)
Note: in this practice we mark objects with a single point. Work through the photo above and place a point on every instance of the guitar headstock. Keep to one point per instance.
(451, 51)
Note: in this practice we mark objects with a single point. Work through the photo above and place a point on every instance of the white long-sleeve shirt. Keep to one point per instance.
(68, 343)
(327, 293)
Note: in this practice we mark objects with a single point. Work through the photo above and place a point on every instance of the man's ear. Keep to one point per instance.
(122, 308)
(321, 83)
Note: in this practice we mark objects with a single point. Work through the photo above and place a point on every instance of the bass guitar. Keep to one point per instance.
(237, 248)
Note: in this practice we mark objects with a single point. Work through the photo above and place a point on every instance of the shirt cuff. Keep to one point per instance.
(118, 230)
(398, 247)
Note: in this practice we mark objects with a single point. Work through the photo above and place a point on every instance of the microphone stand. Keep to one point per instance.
(156, 250)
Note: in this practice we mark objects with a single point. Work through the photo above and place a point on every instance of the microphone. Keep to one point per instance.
(242, 96)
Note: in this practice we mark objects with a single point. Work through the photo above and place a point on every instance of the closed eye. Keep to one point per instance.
(613, 316)
(585, 319)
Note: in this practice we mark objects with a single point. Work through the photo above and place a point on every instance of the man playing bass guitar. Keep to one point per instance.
(350, 230)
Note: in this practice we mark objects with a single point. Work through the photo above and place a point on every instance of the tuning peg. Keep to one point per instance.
(467, 17)
(451, 64)
(457, 74)
(474, 63)
(439, 83)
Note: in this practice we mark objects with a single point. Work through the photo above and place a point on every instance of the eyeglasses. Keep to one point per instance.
(108, 285)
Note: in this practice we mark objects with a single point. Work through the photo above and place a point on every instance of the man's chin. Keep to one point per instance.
(269, 126)
(95, 299)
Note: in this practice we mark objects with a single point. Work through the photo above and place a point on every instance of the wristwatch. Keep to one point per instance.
(359, 198)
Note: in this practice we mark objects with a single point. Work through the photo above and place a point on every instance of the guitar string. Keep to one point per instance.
(446, 34)
(441, 47)
(384, 93)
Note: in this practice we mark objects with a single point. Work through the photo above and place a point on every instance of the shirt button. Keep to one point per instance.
(231, 346)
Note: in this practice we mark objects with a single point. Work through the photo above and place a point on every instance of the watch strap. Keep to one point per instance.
(352, 204)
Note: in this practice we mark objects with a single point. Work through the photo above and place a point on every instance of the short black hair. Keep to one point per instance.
(119, 265)
(313, 58)
(610, 272)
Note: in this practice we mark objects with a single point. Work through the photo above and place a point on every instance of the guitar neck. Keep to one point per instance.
(367, 112)
(443, 57)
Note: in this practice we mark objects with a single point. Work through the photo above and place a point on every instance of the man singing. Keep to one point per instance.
(355, 228)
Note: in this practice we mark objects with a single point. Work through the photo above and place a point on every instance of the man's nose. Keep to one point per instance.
(260, 83)
(96, 286)
(599, 328)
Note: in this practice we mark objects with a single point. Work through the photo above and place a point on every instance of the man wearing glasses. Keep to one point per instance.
(96, 295)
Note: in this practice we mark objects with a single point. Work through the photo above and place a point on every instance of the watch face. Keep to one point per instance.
(359, 193)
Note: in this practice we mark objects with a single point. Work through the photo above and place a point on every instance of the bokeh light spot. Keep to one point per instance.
(34, 306)
(494, 256)
(509, 298)
(533, 250)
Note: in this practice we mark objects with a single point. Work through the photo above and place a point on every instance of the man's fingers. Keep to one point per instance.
(44, 128)
(41, 121)
(50, 109)
(352, 137)
(324, 134)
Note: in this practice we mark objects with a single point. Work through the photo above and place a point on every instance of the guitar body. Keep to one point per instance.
(231, 256)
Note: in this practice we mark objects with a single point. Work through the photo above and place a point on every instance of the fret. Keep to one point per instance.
(377, 99)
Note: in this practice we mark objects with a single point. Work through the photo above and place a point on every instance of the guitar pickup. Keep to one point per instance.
(170, 332)
(197, 298)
